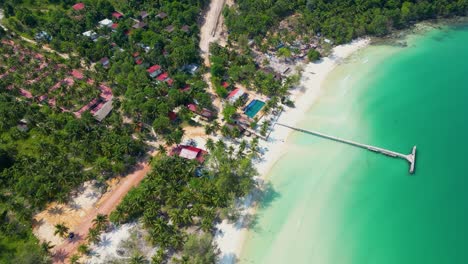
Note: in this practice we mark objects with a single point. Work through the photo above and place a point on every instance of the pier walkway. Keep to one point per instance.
(411, 158)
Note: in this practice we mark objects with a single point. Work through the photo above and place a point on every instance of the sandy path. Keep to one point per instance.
(210, 30)
(105, 206)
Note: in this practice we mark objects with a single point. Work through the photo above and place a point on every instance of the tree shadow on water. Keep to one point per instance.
(263, 196)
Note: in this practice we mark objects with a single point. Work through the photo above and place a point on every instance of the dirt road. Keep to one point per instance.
(211, 29)
(105, 206)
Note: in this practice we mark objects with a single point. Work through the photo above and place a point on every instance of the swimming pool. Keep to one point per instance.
(253, 108)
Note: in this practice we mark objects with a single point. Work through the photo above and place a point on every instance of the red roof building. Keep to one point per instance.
(189, 152)
(235, 94)
(225, 84)
(115, 26)
(154, 70)
(186, 88)
(117, 15)
(192, 107)
(78, 6)
(163, 77)
(172, 116)
(170, 81)
(77, 74)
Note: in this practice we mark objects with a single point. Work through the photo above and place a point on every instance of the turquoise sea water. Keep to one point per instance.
(335, 204)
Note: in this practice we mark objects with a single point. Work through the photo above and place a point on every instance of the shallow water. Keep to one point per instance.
(338, 204)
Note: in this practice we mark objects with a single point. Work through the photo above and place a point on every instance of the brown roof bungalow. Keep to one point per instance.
(205, 113)
(139, 25)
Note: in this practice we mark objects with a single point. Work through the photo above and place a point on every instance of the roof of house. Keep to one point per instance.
(170, 81)
(172, 116)
(185, 28)
(235, 94)
(170, 28)
(115, 25)
(162, 15)
(186, 88)
(192, 107)
(154, 68)
(189, 153)
(225, 84)
(117, 15)
(78, 6)
(26, 93)
(104, 61)
(139, 25)
(106, 22)
(144, 14)
(163, 76)
(77, 74)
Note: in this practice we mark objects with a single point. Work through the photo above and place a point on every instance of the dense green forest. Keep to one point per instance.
(340, 20)
(168, 37)
(172, 198)
(46, 162)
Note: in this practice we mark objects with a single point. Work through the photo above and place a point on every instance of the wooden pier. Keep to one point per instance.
(411, 158)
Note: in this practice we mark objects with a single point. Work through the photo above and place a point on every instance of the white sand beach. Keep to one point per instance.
(230, 236)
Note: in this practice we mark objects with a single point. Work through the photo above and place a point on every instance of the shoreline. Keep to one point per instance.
(230, 237)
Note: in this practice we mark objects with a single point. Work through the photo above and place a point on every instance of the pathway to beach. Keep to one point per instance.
(212, 31)
(105, 206)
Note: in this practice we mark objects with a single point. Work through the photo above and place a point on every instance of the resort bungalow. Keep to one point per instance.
(117, 15)
(139, 25)
(106, 23)
(91, 34)
(204, 113)
(143, 14)
(154, 70)
(105, 62)
(189, 152)
(190, 68)
(185, 28)
(235, 95)
(161, 15)
(162, 77)
(170, 28)
(78, 6)
(42, 36)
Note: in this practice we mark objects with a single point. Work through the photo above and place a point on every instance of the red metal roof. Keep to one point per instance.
(78, 6)
(233, 93)
(225, 84)
(154, 68)
(77, 74)
(170, 81)
(117, 15)
(163, 76)
(186, 88)
(192, 107)
(115, 25)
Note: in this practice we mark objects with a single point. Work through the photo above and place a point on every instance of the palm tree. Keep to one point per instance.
(83, 249)
(137, 259)
(46, 247)
(94, 236)
(74, 259)
(61, 229)
(101, 221)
